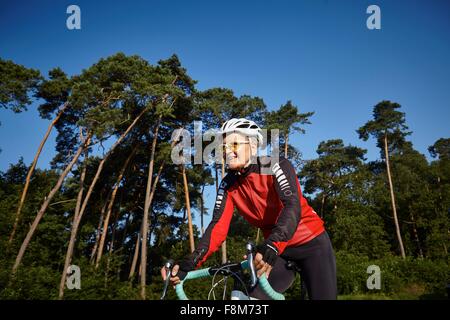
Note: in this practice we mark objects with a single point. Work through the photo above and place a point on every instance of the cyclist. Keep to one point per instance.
(267, 194)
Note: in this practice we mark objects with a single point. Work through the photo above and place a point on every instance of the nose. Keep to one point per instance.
(230, 153)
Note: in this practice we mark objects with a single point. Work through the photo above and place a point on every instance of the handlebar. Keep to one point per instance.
(208, 272)
(250, 250)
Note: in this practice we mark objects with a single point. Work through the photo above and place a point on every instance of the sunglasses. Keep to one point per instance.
(233, 146)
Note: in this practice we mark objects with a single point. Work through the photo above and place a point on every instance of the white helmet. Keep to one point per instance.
(244, 126)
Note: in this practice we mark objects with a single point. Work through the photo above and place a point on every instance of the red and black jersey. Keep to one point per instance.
(268, 195)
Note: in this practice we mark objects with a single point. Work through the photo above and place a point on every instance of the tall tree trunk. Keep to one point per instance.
(323, 204)
(30, 173)
(111, 246)
(415, 233)
(150, 191)
(75, 216)
(99, 230)
(111, 205)
(441, 209)
(125, 229)
(136, 255)
(77, 221)
(142, 269)
(146, 210)
(150, 200)
(102, 162)
(104, 231)
(394, 209)
(224, 244)
(286, 145)
(47, 200)
(122, 241)
(202, 209)
(188, 208)
(130, 216)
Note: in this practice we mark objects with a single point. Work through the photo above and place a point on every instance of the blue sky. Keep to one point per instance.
(319, 54)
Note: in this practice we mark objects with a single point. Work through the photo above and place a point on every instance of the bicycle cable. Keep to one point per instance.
(235, 276)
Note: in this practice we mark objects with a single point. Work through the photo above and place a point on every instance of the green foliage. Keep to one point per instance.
(32, 283)
(441, 149)
(54, 92)
(358, 230)
(411, 278)
(287, 119)
(387, 122)
(16, 85)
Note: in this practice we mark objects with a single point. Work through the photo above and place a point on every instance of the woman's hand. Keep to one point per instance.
(174, 279)
(260, 265)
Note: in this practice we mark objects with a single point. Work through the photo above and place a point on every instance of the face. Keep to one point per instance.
(238, 150)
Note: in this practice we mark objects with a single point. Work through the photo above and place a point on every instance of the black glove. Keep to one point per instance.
(268, 251)
(185, 267)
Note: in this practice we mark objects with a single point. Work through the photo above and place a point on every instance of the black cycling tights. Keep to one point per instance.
(318, 270)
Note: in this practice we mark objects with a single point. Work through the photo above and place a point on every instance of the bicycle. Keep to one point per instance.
(235, 270)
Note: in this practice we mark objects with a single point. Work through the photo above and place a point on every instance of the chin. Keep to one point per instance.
(235, 166)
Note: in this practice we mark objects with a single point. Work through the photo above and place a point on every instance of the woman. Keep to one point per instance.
(267, 194)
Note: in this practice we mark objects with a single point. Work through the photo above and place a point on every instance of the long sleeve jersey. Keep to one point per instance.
(268, 195)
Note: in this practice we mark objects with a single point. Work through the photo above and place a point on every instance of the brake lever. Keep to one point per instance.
(250, 250)
(168, 266)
